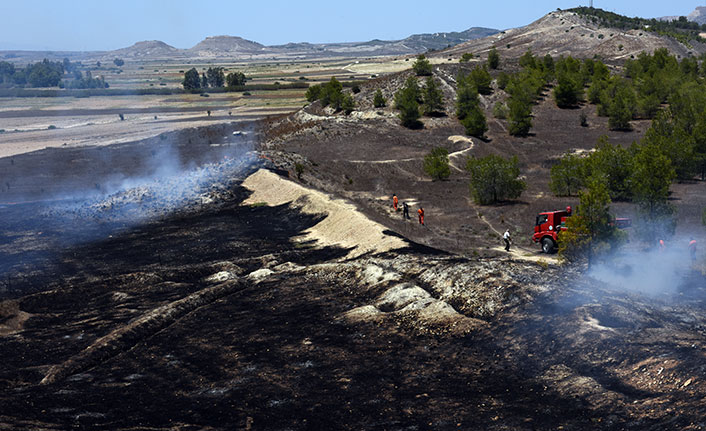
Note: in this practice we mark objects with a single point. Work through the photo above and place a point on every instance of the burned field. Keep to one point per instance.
(161, 299)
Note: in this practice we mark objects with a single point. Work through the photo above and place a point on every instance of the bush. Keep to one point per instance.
(422, 67)
(494, 179)
(466, 57)
(494, 58)
(503, 80)
(313, 93)
(378, 100)
(347, 104)
(436, 164)
(500, 110)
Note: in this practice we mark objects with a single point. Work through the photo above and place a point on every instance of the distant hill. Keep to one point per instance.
(238, 48)
(579, 35)
(218, 46)
(698, 15)
(146, 49)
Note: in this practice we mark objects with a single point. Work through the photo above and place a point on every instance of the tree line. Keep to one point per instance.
(62, 74)
(214, 77)
(681, 29)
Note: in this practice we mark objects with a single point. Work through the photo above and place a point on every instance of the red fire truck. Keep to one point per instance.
(549, 224)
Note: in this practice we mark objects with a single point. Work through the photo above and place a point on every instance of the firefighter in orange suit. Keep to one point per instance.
(420, 211)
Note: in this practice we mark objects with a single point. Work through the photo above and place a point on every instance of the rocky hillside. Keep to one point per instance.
(568, 33)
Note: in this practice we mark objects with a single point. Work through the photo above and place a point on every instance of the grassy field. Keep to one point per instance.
(31, 123)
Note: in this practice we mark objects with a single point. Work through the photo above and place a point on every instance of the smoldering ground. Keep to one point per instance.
(662, 271)
(61, 198)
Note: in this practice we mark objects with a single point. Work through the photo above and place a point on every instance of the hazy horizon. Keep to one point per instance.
(95, 26)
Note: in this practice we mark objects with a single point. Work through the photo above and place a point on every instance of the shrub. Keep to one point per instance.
(502, 80)
(347, 104)
(313, 93)
(494, 58)
(500, 110)
(466, 57)
(436, 164)
(494, 179)
(378, 100)
(422, 67)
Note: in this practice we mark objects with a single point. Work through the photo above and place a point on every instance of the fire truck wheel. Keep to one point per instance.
(547, 245)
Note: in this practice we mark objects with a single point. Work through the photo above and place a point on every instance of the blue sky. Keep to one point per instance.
(106, 25)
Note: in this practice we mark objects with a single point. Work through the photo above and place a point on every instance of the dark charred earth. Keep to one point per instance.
(202, 313)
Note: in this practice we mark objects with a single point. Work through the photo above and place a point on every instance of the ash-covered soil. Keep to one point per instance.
(216, 320)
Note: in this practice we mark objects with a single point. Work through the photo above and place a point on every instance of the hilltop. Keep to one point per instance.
(147, 49)
(570, 33)
(216, 46)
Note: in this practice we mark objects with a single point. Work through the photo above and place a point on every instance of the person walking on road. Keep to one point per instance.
(692, 249)
(507, 239)
(420, 211)
(394, 202)
(405, 211)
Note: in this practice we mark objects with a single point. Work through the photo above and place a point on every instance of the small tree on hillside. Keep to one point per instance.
(468, 110)
(591, 228)
(621, 108)
(466, 57)
(347, 103)
(119, 62)
(191, 79)
(332, 94)
(422, 67)
(613, 163)
(650, 180)
(568, 91)
(494, 179)
(519, 117)
(378, 100)
(204, 81)
(480, 77)
(407, 102)
(567, 175)
(313, 93)
(493, 58)
(433, 98)
(436, 164)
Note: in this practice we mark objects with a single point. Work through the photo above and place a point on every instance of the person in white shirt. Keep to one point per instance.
(507, 239)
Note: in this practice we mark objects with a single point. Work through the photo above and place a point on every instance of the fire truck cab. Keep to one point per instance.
(548, 226)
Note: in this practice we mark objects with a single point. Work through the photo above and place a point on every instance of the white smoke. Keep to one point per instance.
(655, 272)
